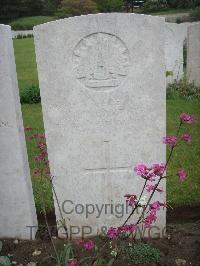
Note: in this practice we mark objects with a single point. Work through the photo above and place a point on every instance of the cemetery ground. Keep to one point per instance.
(25, 61)
(180, 247)
(182, 244)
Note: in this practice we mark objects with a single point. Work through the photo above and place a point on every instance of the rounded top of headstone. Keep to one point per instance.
(106, 16)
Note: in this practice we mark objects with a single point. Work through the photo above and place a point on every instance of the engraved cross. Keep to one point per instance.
(108, 169)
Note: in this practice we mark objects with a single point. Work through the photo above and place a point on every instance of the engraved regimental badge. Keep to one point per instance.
(101, 61)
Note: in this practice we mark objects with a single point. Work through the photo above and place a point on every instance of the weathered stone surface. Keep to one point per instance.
(184, 29)
(17, 206)
(193, 54)
(174, 40)
(103, 97)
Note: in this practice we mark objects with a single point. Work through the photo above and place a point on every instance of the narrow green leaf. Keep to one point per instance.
(110, 263)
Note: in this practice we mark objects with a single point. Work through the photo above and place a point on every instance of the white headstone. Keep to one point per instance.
(193, 54)
(16, 196)
(102, 80)
(22, 33)
(174, 41)
(184, 29)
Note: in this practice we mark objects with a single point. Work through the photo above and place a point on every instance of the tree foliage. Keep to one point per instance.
(109, 5)
(183, 3)
(50, 6)
(79, 7)
(11, 9)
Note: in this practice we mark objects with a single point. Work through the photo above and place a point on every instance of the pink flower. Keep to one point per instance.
(158, 169)
(131, 199)
(132, 228)
(41, 146)
(151, 188)
(170, 140)
(47, 162)
(156, 206)
(187, 119)
(27, 129)
(88, 245)
(127, 228)
(41, 136)
(140, 169)
(144, 172)
(182, 175)
(43, 155)
(113, 233)
(36, 172)
(73, 262)
(36, 158)
(150, 177)
(151, 218)
(79, 242)
(187, 138)
(153, 208)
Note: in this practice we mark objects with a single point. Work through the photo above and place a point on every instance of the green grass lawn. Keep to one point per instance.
(32, 116)
(170, 11)
(27, 23)
(186, 156)
(25, 62)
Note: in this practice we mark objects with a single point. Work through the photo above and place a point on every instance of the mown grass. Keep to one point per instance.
(186, 156)
(25, 62)
(27, 23)
(32, 116)
(170, 11)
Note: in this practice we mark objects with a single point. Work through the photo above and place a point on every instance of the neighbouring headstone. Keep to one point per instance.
(17, 205)
(103, 85)
(22, 33)
(184, 29)
(174, 42)
(193, 54)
